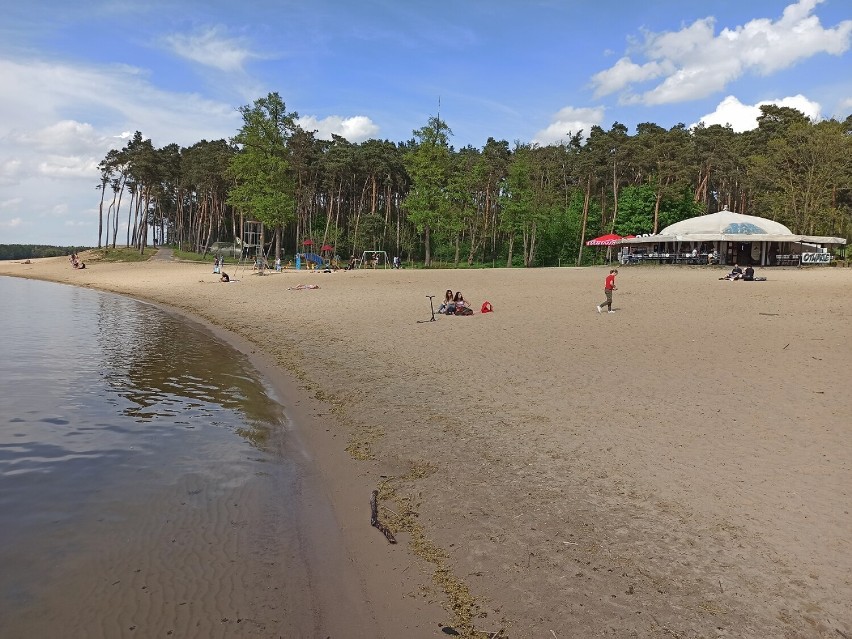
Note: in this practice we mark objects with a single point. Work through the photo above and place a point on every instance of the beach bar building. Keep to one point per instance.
(734, 238)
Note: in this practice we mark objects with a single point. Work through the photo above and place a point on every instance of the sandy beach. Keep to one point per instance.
(680, 468)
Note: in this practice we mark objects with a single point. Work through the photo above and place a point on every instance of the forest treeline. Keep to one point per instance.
(504, 204)
(28, 251)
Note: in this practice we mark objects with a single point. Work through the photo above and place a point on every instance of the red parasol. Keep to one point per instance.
(326, 247)
(605, 240)
(308, 242)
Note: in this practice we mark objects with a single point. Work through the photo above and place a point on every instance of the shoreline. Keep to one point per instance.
(332, 515)
(704, 502)
(352, 574)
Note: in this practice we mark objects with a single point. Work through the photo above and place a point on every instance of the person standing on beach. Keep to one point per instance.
(609, 287)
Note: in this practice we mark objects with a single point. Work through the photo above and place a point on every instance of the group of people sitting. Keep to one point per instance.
(738, 274)
(454, 304)
(76, 262)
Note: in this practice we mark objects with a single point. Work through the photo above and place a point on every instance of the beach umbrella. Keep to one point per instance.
(308, 242)
(605, 240)
(326, 247)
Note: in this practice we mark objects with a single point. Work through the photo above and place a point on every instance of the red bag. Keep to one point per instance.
(486, 307)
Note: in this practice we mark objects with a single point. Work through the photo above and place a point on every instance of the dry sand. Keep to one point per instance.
(681, 468)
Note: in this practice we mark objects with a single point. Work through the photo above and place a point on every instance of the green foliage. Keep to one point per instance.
(428, 164)
(265, 185)
(636, 209)
(30, 251)
(121, 254)
(528, 205)
(191, 256)
(559, 236)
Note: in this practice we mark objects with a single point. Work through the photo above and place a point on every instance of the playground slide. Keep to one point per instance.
(316, 259)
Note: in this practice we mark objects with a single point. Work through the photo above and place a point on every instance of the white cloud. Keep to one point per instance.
(10, 172)
(568, 121)
(69, 166)
(61, 136)
(211, 48)
(355, 129)
(9, 204)
(743, 117)
(624, 73)
(696, 63)
(15, 222)
(49, 156)
(116, 97)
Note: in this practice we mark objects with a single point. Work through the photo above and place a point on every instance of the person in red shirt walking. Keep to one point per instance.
(609, 287)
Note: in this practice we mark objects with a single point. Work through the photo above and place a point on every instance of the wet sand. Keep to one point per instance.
(679, 468)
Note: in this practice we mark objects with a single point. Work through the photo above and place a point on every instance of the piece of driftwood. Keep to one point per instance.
(374, 517)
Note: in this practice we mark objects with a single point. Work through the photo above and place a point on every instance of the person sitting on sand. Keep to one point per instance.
(448, 299)
(735, 274)
(303, 287)
(461, 305)
(451, 305)
(748, 276)
(224, 277)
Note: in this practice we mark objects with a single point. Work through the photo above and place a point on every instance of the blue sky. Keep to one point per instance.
(79, 77)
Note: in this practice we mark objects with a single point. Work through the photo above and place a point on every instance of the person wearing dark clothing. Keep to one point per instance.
(735, 274)
(748, 276)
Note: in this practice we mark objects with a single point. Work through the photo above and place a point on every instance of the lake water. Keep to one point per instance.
(133, 447)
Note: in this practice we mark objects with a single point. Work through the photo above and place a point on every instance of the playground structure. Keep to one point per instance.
(252, 250)
(252, 247)
(311, 260)
(316, 260)
(375, 259)
(231, 249)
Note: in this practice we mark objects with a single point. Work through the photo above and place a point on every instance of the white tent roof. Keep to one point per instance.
(731, 227)
(726, 223)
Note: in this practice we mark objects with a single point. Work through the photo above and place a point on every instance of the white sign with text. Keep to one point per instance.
(816, 258)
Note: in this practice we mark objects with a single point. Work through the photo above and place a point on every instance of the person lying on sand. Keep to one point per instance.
(303, 287)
